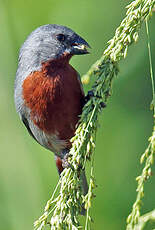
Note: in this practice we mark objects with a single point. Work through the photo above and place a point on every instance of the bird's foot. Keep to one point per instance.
(65, 163)
(90, 94)
(64, 157)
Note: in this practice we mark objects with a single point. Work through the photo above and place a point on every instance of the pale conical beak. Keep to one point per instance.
(80, 46)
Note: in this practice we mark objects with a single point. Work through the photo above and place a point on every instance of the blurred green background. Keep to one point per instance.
(27, 171)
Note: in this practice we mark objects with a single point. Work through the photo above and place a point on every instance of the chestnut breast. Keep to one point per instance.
(55, 99)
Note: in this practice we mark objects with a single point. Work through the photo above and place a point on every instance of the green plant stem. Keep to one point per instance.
(151, 68)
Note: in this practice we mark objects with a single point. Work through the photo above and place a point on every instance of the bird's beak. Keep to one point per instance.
(80, 46)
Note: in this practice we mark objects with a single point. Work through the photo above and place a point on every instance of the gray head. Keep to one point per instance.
(50, 42)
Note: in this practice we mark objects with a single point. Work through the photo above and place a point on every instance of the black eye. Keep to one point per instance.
(61, 37)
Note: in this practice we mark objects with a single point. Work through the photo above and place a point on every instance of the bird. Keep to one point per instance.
(48, 92)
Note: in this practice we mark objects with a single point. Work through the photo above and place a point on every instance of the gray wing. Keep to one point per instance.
(26, 123)
(79, 78)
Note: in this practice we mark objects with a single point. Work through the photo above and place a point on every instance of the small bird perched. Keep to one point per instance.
(48, 93)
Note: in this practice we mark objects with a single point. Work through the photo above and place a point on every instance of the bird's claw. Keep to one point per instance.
(64, 157)
(90, 94)
(65, 163)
